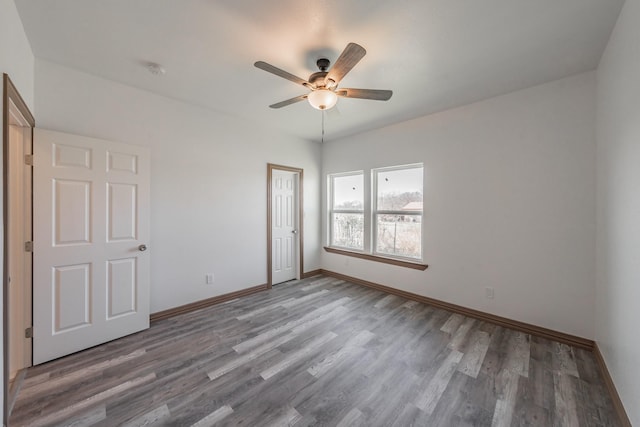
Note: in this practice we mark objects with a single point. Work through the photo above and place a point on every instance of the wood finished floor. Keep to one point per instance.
(319, 352)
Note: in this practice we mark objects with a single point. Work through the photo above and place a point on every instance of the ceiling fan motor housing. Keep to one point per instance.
(317, 79)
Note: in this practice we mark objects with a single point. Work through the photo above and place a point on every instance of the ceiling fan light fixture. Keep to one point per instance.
(322, 99)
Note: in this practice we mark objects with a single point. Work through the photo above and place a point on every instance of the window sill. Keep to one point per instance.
(376, 258)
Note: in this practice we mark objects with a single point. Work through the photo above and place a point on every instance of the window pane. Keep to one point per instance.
(400, 190)
(399, 235)
(348, 192)
(348, 230)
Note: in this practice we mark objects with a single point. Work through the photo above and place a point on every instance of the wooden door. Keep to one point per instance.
(91, 227)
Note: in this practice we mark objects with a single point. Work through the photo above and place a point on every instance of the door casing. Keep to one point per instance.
(20, 267)
(12, 101)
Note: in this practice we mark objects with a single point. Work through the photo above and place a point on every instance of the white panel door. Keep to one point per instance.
(91, 227)
(284, 232)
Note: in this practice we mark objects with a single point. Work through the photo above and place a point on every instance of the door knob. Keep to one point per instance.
(294, 231)
(142, 248)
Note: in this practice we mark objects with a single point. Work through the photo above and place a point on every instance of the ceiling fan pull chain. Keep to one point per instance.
(322, 127)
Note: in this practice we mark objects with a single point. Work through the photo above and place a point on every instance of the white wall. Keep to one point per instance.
(208, 180)
(16, 59)
(509, 203)
(618, 284)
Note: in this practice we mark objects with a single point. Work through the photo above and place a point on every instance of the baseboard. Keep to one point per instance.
(501, 321)
(611, 387)
(311, 273)
(165, 314)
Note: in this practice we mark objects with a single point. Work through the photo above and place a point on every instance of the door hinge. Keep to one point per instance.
(28, 246)
(28, 333)
(28, 159)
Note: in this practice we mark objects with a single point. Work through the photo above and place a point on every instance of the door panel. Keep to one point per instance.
(123, 162)
(122, 211)
(71, 212)
(121, 287)
(283, 233)
(91, 212)
(71, 297)
(70, 156)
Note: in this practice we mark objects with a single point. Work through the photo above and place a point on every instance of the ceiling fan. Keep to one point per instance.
(324, 83)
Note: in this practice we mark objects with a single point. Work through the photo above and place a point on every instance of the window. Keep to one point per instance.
(379, 215)
(347, 210)
(397, 211)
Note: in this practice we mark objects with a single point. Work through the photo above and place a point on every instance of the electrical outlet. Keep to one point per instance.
(489, 292)
(210, 278)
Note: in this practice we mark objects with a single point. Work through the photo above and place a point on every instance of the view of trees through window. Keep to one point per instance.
(348, 211)
(348, 230)
(396, 211)
(399, 235)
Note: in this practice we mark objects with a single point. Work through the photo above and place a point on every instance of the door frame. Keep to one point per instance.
(299, 220)
(10, 96)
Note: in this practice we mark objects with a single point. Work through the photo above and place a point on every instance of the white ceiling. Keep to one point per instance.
(433, 54)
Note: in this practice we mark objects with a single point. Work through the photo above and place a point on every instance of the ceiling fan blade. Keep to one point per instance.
(281, 73)
(375, 94)
(288, 102)
(349, 57)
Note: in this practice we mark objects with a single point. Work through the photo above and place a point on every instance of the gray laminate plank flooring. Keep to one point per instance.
(322, 352)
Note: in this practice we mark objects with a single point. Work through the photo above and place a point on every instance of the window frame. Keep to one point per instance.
(370, 213)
